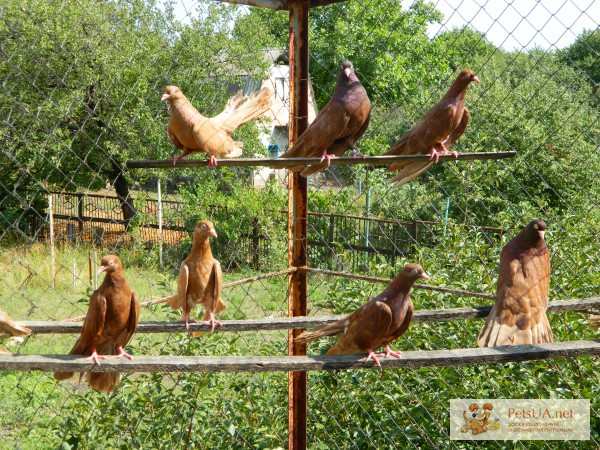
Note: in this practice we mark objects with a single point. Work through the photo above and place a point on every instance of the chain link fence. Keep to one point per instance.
(81, 88)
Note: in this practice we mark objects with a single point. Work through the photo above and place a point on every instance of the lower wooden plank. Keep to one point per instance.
(410, 359)
(285, 323)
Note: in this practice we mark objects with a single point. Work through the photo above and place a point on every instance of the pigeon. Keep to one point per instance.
(110, 322)
(191, 132)
(10, 327)
(519, 315)
(377, 323)
(200, 279)
(435, 133)
(337, 127)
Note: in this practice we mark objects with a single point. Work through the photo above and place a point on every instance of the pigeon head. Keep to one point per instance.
(110, 264)
(347, 68)
(467, 76)
(414, 272)
(204, 229)
(171, 92)
(536, 229)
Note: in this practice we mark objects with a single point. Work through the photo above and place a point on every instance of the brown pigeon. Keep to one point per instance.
(10, 327)
(435, 133)
(110, 322)
(191, 132)
(337, 127)
(376, 323)
(519, 315)
(200, 279)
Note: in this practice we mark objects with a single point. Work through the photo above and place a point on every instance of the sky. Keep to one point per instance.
(510, 24)
(521, 24)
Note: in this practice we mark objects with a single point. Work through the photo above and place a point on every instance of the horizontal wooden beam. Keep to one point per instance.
(279, 4)
(286, 323)
(413, 359)
(282, 163)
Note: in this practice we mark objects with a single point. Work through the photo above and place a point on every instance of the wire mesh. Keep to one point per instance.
(81, 87)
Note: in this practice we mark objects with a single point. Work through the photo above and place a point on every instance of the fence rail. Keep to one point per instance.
(415, 359)
(336, 241)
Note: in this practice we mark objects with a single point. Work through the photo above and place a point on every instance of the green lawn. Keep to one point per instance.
(361, 408)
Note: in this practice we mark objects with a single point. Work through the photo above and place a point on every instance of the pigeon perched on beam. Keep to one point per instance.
(375, 324)
(109, 324)
(519, 315)
(337, 127)
(435, 133)
(200, 279)
(191, 132)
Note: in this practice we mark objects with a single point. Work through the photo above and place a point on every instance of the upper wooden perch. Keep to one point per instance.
(278, 163)
(280, 4)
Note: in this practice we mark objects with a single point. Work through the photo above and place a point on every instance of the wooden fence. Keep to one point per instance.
(336, 241)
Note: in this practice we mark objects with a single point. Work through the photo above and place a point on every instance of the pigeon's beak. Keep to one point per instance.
(347, 72)
(212, 232)
(102, 269)
(164, 98)
(475, 79)
(424, 276)
(542, 233)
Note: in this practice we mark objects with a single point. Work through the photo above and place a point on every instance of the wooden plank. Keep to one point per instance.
(410, 359)
(281, 163)
(285, 323)
(279, 4)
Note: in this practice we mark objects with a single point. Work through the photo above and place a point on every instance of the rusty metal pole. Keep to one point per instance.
(297, 215)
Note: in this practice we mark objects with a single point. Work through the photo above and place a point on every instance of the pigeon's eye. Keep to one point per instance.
(204, 227)
(415, 272)
(111, 262)
(535, 225)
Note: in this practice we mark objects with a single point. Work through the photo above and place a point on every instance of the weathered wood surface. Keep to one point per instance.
(279, 4)
(279, 163)
(285, 323)
(413, 359)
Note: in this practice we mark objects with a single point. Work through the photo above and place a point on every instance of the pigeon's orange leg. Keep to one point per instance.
(390, 352)
(123, 353)
(178, 158)
(212, 161)
(96, 357)
(187, 320)
(434, 154)
(372, 356)
(212, 321)
(327, 157)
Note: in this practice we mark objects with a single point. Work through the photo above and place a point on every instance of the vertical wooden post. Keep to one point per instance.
(297, 218)
(80, 213)
(255, 244)
(160, 224)
(331, 240)
(51, 225)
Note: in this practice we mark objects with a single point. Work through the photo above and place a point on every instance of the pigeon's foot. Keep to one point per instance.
(96, 357)
(373, 356)
(124, 354)
(389, 352)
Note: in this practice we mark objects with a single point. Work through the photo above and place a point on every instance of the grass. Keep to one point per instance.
(366, 408)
